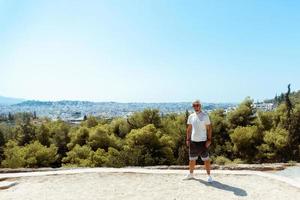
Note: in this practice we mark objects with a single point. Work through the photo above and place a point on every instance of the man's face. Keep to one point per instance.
(197, 107)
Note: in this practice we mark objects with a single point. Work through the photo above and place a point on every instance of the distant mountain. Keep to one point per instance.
(54, 103)
(10, 100)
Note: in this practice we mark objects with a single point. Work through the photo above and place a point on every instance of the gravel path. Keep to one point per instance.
(106, 183)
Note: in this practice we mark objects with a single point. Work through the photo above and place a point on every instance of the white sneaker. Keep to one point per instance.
(209, 179)
(189, 176)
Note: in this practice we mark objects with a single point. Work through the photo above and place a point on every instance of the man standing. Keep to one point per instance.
(199, 132)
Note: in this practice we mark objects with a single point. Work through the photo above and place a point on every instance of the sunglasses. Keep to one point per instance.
(196, 105)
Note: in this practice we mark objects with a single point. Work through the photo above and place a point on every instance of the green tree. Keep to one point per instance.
(30, 155)
(34, 115)
(221, 144)
(120, 127)
(141, 119)
(25, 133)
(81, 156)
(244, 115)
(2, 139)
(79, 136)
(155, 149)
(187, 114)
(2, 143)
(43, 135)
(7, 131)
(37, 155)
(90, 122)
(294, 135)
(151, 116)
(114, 158)
(174, 126)
(275, 142)
(245, 141)
(265, 120)
(99, 138)
(288, 103)
(100, 157)
(10, 117)
(280, 117)
(59, 131)
(14, 155)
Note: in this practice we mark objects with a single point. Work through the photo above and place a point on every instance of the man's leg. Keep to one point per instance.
(205, 158)
(207, 166)
(192, 161)
(192, 164)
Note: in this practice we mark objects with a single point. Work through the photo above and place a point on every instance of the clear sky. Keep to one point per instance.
(149, 50)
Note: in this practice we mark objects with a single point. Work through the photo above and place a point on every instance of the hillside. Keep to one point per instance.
(10, 100)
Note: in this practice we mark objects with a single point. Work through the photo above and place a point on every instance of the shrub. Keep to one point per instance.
(14, 155)
(31, 155)
(221, 160)
(81, 156)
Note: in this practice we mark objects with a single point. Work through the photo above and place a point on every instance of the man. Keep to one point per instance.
(199, 133)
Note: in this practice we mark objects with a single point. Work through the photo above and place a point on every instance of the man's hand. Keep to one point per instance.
(188, 142)
(188, 135)
(207, 143)
(209, 134)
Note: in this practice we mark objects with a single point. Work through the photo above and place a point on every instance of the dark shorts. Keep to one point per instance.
(198, 149)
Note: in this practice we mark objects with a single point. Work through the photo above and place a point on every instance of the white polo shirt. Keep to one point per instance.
(199, 122)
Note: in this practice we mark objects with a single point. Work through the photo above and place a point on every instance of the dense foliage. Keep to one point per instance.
(243, 135)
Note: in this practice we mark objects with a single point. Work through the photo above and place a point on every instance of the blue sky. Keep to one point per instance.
(149, 51)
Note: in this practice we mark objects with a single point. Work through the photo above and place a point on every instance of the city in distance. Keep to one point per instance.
(72, 110)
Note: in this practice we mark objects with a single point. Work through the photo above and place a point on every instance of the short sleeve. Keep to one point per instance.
(189, 121)
(207, 120)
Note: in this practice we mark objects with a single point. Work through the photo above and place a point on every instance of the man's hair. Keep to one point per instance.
(197, 101)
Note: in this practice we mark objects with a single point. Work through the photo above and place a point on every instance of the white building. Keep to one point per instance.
(264, 106)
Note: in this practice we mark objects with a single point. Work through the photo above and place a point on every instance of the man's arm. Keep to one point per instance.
(188, 134)
(209, 135)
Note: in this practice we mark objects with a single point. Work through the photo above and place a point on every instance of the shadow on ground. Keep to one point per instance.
(6, 183)
(216, 184)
